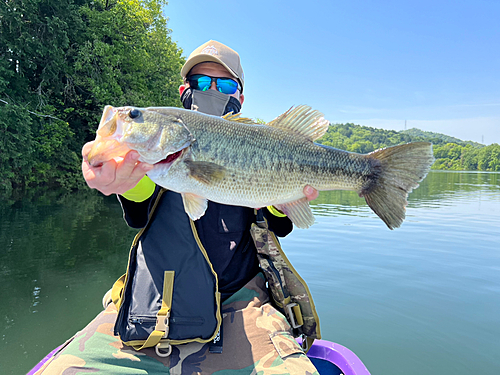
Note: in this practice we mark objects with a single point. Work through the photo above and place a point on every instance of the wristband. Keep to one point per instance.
(142, 191)
(275, 211)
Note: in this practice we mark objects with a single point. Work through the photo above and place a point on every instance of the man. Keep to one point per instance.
(255, 337)
(212, 59)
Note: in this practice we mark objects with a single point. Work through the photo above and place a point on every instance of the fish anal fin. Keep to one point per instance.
(205, 172)
(302, 120)
(299, 212)
(194, 205)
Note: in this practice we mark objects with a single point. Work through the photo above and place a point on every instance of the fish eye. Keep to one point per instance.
(134, 113)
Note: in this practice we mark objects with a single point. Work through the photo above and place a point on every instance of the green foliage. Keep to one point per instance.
(450, 153)
(16, 146)
(363, 139)
(439, 138)
(61, 62)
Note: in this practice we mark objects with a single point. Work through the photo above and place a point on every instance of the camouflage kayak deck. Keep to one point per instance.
(257, 339)
(328, 357)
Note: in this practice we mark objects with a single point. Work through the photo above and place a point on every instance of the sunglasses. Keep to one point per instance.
(203, 82)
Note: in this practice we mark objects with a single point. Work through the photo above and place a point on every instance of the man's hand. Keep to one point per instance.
(310, 193)
(114, 177)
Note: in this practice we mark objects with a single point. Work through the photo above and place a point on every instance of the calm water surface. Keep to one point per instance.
(422, 299)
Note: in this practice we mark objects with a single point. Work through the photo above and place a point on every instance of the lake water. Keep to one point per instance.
(422, 299)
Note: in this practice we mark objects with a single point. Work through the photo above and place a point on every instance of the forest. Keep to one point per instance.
(62, 61)
(450, 153)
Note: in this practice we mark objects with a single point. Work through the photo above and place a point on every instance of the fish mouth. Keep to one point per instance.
(169, 160)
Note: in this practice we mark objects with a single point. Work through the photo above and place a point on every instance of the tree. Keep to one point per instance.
(489, 158)
(16, 145)
(61, 62)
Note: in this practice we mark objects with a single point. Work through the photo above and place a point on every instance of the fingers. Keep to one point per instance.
(86, 149)
(310, 192)
(129, 172)
(114, 177)
(107, 172)
(127, 166)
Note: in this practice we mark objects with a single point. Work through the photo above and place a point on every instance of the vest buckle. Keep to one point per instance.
(294, 314)
(162, 324)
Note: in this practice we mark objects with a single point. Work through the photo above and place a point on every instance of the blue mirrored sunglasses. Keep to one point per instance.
(203, 82)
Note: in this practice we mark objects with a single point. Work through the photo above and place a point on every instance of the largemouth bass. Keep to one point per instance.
(232, 160)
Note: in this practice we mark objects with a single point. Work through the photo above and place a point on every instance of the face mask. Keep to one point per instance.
(210, 102)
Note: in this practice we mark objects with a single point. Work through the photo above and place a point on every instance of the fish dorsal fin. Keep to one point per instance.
(237, 118)
(302, 120)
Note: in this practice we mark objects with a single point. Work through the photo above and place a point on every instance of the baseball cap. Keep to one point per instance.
(213, 51)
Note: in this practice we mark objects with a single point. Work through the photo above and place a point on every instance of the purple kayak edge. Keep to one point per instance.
(44, 360)
(339, 355)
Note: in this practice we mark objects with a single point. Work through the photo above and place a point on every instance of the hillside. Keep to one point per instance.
(414, 132)
(450, 153)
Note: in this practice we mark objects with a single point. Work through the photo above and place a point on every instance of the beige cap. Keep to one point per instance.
(213, 51)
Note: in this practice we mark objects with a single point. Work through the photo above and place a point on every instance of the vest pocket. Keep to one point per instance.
(192, 321)
(166, 320)
(149, 321)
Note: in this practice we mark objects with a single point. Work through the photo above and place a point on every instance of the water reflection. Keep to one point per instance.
(428, 290)
(439, 188)
(426, 287)
(58, 253)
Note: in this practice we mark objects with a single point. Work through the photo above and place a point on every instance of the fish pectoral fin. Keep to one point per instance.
(194, 205)
(205, 172)
(299, 212)
(302, 120)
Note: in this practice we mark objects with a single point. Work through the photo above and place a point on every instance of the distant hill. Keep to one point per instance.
(451, 153)
(414, 132)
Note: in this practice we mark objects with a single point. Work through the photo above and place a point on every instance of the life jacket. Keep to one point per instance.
(171, 297)
(289, 292)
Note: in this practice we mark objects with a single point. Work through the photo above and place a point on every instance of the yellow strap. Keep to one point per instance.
(168, 289)
(162, 326)
(298, 314)
(142, 191)
(153, 339)
(117, 290)
(275, 211)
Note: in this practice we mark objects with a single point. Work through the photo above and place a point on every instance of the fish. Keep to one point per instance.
(235, 161)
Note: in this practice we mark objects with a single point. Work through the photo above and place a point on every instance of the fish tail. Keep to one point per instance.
(397, 171)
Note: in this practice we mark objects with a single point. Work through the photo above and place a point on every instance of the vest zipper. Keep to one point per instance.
(175, 320)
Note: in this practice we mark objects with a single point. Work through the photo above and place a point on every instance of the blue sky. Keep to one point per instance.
(434, 64)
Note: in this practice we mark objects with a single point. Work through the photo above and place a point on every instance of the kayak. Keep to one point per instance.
(328, 357)
(44, 360)
(331, 358)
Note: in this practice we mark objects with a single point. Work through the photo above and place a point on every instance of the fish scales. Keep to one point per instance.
(269, 165)
(234, 161)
